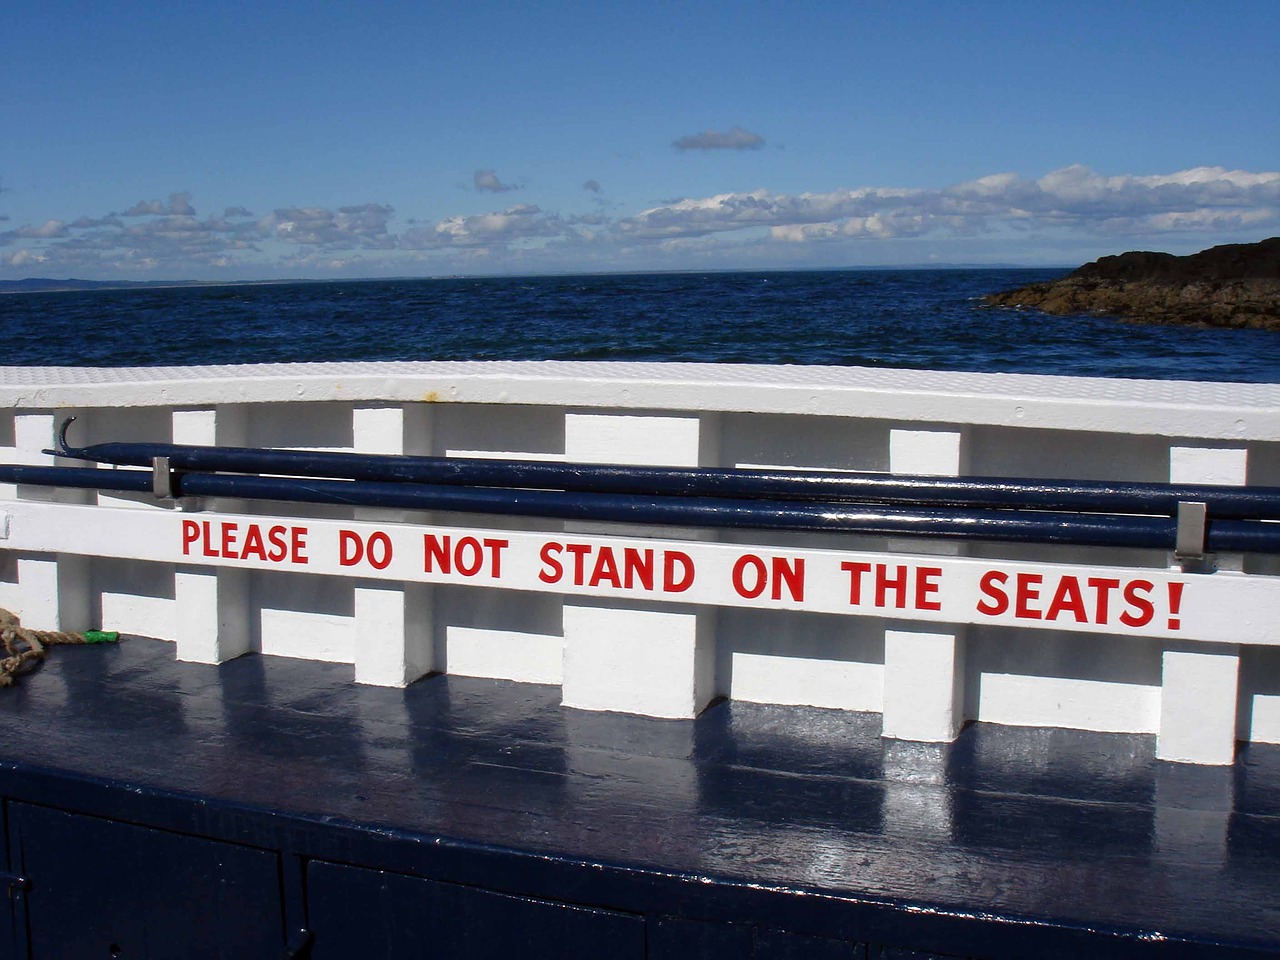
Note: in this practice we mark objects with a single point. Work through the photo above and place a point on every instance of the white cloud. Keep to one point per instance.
(179, 204)
(487, 180)
(363, 226)
(1074, 196)
(1070, 208)
(22, 258)
(520, 222)
(735, 138)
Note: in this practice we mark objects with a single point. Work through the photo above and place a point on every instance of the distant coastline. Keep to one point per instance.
(71, 284)
(1234, 285)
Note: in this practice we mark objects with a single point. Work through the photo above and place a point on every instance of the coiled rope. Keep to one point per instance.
(26, 648)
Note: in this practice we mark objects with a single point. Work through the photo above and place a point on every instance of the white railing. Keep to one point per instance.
(928, 633)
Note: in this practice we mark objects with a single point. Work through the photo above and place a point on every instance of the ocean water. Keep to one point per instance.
(892, 318)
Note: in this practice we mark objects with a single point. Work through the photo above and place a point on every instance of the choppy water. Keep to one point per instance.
(894, 318)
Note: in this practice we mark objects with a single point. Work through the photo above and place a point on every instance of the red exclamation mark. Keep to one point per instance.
(1175, 604)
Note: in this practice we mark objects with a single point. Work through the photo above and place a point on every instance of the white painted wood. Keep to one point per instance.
(925, 452)
(504, 655)
(1221, 466)
(1104, 706)
(1228, 411)
(1216, 466)
(907, 421)
(657, 441)
(54, 592)
(1220, 608)
(923, 686)
(1264, 724)
(308, 636)
(139, 615)
(392, 634)
(212, 614)
(806, 681)
(378, 429)
(1198, 707)
(637, 661)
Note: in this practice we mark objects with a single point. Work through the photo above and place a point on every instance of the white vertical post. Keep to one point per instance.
(1199, 689)
(393, 629)
(653, 663)
(934, 453)
(393, 634)
(924, 670)
(378, 429)
(213, 618)
(622, 657)
(1198, 706)
(55, 592)
(923, 685)
(32, 434)
(212, 603)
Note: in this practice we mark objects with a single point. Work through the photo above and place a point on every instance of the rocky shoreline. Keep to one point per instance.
(1234, 285)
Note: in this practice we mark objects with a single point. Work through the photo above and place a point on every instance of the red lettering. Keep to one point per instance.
(885, 583)
(790, 573)
(856, 570)
(495, 555)
(279, 546)
(927, 588)
(1136, 596)
(637, 565)
(208, 549)
(606, 568)
(1028, 590)
(992, 587)
(760, 576)
(379, 550)
(674, 581)
(552, 570)
(1067, 597)
(299, 544)
(229, 531)
(1102, 587)
(190, 534)
(253, 543)
(468, 567)
(579, 552)
(436, 552)
(350, 548)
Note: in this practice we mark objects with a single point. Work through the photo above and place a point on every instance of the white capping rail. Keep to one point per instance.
(660, 621)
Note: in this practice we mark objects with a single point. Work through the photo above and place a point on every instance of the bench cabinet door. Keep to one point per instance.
(355, 912)
(100, 888)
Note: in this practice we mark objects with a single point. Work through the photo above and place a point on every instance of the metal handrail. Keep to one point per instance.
(946, 521)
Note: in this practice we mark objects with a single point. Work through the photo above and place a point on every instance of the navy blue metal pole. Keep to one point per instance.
(799, 485)
(873, 520)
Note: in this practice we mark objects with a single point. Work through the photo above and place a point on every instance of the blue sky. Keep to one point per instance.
(266, 140)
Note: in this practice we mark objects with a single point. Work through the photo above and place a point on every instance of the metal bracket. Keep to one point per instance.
(1192, 527)
(162, 476)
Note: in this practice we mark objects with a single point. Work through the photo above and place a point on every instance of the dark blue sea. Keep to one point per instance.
(885, 318)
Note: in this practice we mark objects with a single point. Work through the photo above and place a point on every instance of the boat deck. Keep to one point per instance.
(462, 813)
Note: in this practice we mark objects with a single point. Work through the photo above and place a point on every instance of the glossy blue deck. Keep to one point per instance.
(754, 825)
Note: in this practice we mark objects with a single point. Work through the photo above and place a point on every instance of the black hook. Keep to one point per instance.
(62, 449)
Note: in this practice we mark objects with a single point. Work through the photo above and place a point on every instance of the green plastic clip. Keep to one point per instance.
(101, 636)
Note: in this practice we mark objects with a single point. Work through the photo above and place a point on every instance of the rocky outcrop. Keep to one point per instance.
(1235, 285)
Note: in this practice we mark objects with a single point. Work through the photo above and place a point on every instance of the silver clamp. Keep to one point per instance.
(1192, 529)
(162, 478)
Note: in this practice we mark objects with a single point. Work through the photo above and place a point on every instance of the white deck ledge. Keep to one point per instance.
(1153, 407)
